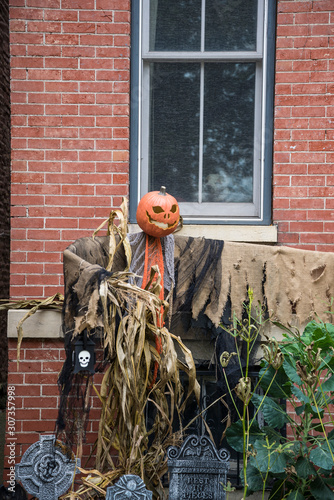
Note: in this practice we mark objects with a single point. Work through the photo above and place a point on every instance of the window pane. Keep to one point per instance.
(175, 25)
(230, 25)
(229, 97)
(174, 129)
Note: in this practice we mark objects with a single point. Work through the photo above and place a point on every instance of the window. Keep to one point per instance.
(202, 101)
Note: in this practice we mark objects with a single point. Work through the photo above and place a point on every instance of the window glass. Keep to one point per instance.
(175, 25)
(230, 25)
(174, 128)
(228, 143)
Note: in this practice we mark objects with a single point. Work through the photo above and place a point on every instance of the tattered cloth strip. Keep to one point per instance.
(210, 278)
(138, 247)
(291, 282)
(209, 274)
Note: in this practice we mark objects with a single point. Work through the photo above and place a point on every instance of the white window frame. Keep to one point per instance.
(210, 213)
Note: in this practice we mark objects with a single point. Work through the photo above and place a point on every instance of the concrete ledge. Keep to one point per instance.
(44, 324)
(245, 234)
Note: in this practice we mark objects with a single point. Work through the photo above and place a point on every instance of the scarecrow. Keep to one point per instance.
(120, 298)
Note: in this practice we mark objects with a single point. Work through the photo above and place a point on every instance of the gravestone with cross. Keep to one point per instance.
(197, 470)
(44, 470)
(130, 487)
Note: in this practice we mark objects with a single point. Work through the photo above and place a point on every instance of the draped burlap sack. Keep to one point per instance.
(209, 274)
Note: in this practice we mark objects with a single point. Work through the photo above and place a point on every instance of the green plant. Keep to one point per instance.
(246, 334)
(298, 394)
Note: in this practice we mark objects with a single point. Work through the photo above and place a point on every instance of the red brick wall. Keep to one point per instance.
(70, 129)
(303, 203)
(34, 398)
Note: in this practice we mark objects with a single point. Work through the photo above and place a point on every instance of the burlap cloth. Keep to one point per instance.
(210, 274)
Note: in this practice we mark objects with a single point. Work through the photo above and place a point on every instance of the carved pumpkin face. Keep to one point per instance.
(158, 213)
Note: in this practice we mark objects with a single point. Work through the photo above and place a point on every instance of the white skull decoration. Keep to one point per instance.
(84, 357)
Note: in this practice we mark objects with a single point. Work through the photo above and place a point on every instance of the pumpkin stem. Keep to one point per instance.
(163, 190)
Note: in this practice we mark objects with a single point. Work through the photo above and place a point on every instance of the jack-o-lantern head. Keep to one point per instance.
(158, 213)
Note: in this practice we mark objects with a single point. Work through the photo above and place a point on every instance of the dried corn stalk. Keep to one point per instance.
(125, 442)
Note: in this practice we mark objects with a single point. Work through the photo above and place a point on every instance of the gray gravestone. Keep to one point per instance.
(197, 470)
(129, 487)
(45, 471)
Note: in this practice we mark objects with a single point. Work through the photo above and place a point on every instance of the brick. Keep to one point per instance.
(281, 203)
(47, 257)
(49, 413)
(291, 215)
(61, 155)
(42, 166)
(44, 144)
(45, 234)
(25, 367)
(308, 157)
(77, 4)
(303, 111)
(120, 156)
(314, 203)
(329, 227)
(24, 222)
(78, 212)
(54, 269)
(91, 223)
(110, 190)
(78, 167)
(322, 76)
(27, 414)
(78, 99)
(94, 178)
(31, 390)
(79, 27)
(316, 238)
(112, 121)
(45, 402)
(78, 121)
(59, 246)
(78, 190)
(61, 62)
(308, 135)
(94, 156)
(61, 39)
(78, 144)
(26, 38)
(27, 62)
(290, 77)
(60, 15)
(78, 74)
(295, 6)
(321, 145)
(320, 169)
(322, 5)
(286, 238)
(308, 181)
(50, 390)
(79, 51)
(320, 215)
(23, 245)
(61, 132)
(310, 18)
(39, 426)
(61, 87)
(105, 201)
(291, 146)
